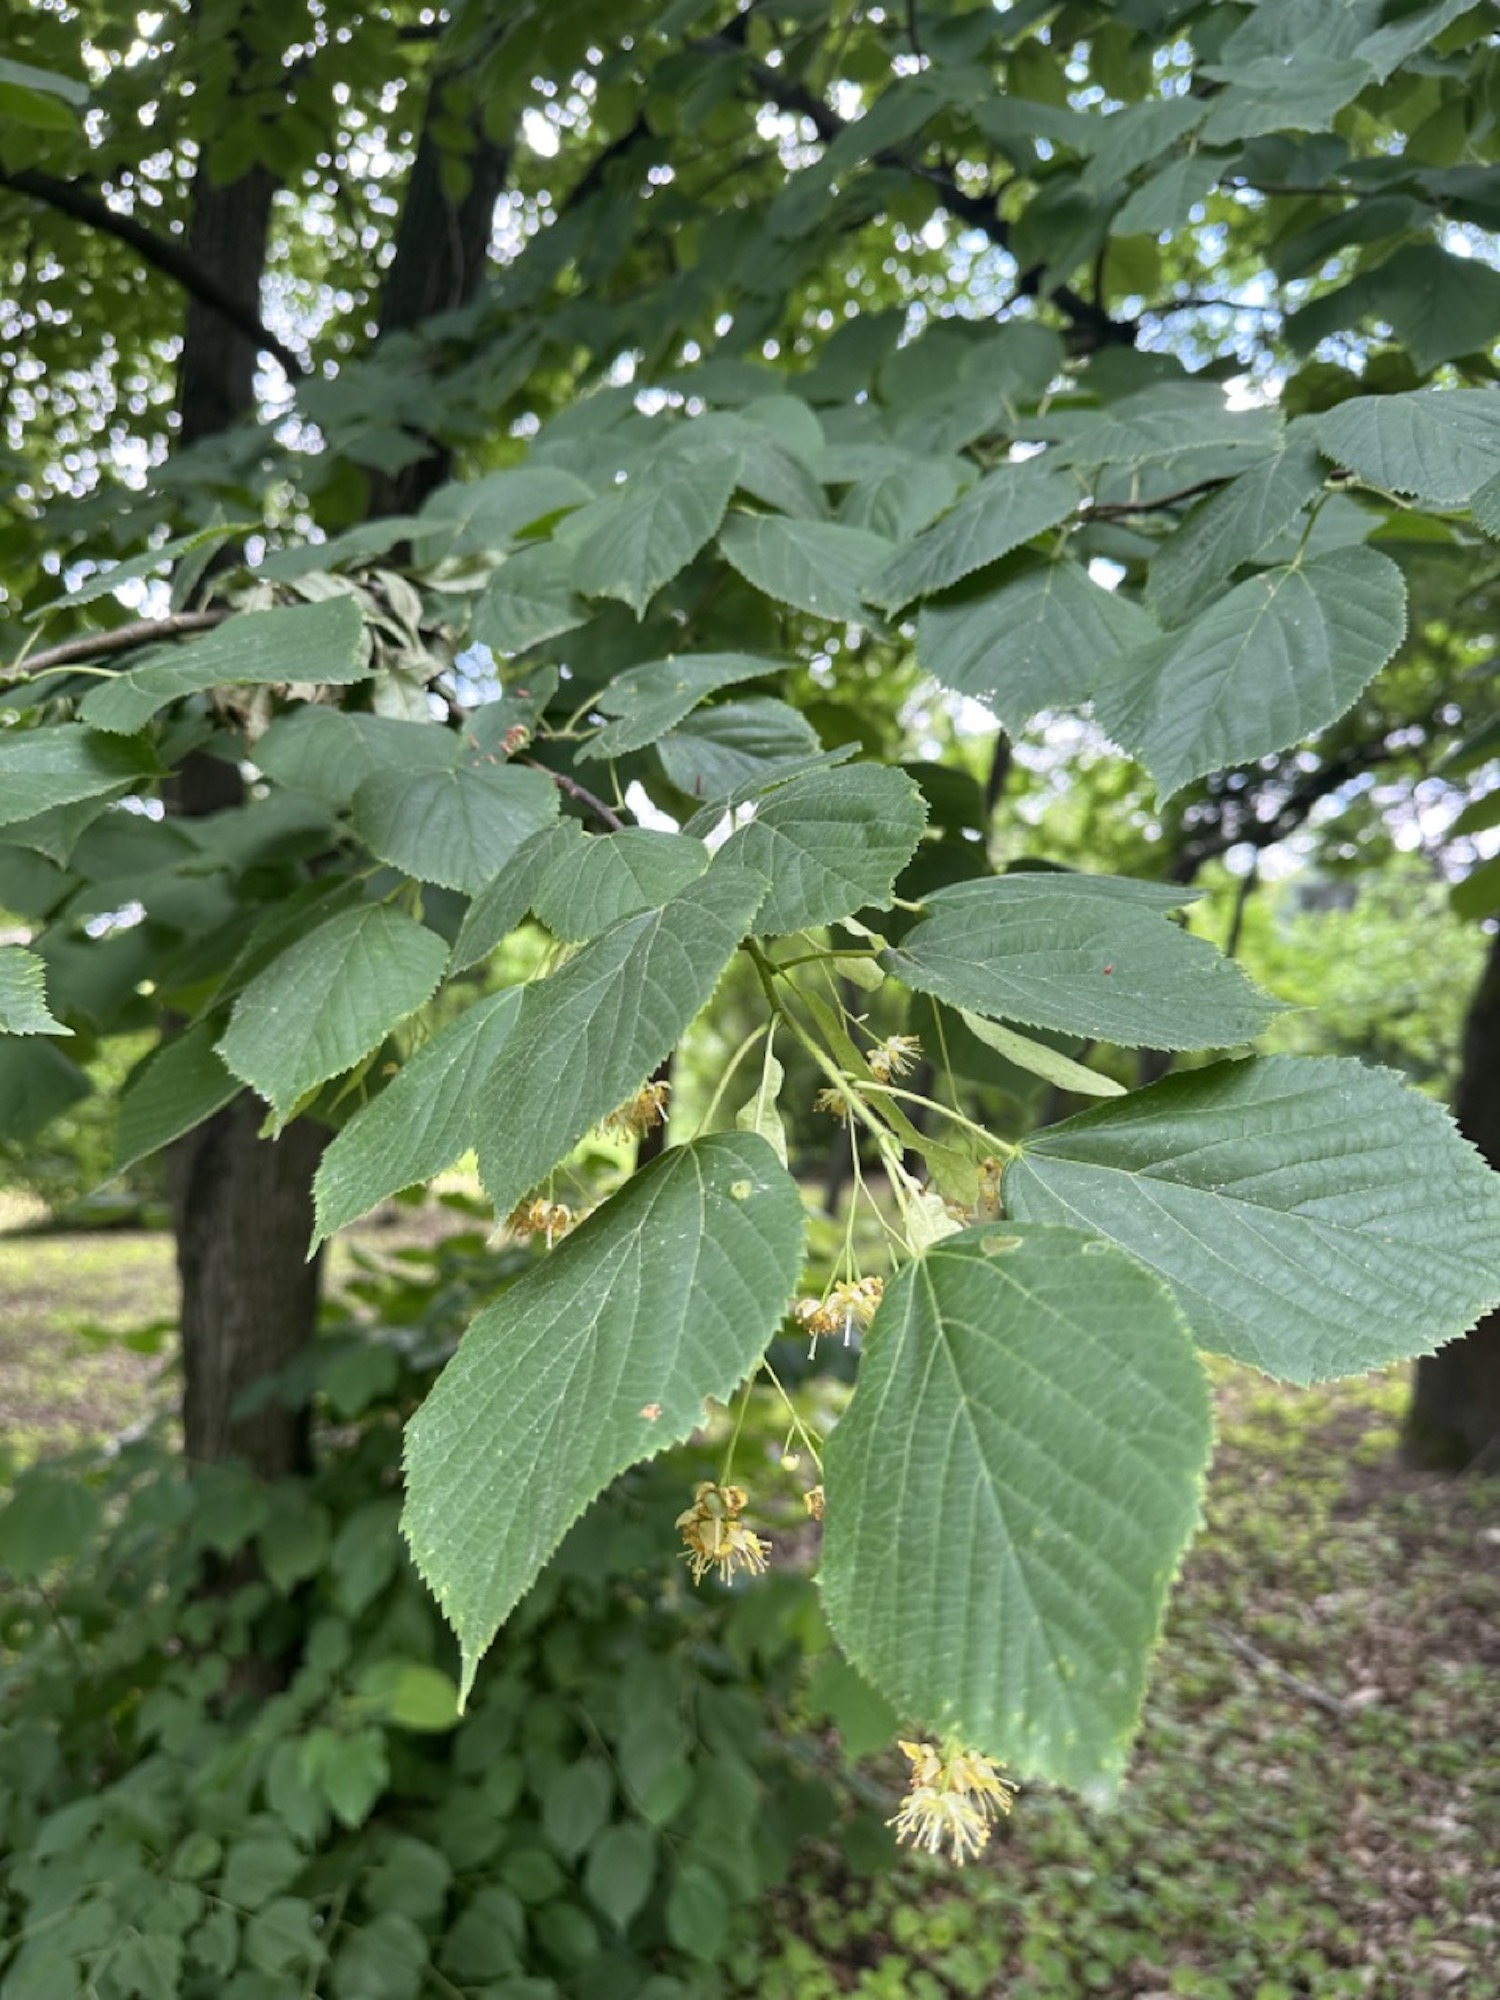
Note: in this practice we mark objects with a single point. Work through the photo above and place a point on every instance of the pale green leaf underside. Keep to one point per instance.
(329, 1000)
(1283, 655)
(1038, 1060)
(829, 844)
(589, 1034)
(595, 882)
(1047, 952)
(646, 701)
(457, 827)
(41, 769)
(1314, 1217)
(23, 994)
(815, 566)
(420, 1123)
(181, 1083)
(599, 1357)
(295, 643)
(1010, 1493)
(1439, 444)
(1005, 509)
(1042, 642)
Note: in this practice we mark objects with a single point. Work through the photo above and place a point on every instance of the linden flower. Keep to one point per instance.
(812, 1500)
(645, 1111)
(953, 1798)
(541, 1218)
(833, 1102)
(895, 1056)
(850, 1303)
(716, 1537)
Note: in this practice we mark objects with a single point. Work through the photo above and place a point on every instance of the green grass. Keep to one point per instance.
(1314, 1810)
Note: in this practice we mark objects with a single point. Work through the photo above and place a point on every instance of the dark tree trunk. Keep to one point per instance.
(1453, 1423)
(442, 244)
(243, 1211)
(227, 237)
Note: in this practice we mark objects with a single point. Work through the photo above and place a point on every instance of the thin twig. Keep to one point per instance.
(1293, 1683)
(1112, 510)
(140, 632)
(606, 815)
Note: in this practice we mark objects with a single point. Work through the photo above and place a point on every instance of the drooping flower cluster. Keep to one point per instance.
(542, 1218)
(895, 1056)
(812, 1500)
(643, 1113)
(716, 1537)
(954, 1798)
(850, 1303)
(834, 1103)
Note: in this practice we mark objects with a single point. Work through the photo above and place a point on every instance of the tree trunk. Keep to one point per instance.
(1453, 1422)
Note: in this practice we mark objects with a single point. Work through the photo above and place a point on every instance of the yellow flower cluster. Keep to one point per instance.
(895, 1056)
(542, 1218)
(716, 1537)
(644, 1112)
(812, 1500)
(851, 1303)
(954, 1798)
(834, 1103)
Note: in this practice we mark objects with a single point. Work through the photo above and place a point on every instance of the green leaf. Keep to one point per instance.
(621, 1870)
(330, 754)
(1010, 1492)
(23, 995)
(182, 1082)
(1301, 92)
(413, 1878)
(759, 1113)
(637, 538)
(410, 1695)
(44, 768)
(384, 1959)
(816, 566)
(863, 1717)
(666, 1295)
(1229, 529)
(46, 1520)
(420, 1123)
(716, 751)
(37, 1084)
(531, 597)
(647, 701)
(1038, 1060)
(1165, 422)
(1282, 656)
(1006, 508)
(500, 906)
(597, 881)
(328, 1000)
(1438, 306)
(321, 643)
(575, 1805)
(1165, 200)
(1484, 505)
(698, 1912)
(1057, 951)
(457, 828)
(906, 493)
(1041, 642)
(479, 516)
(149, 1964)
(351, 1770)
(829, 844)
(1314, 1217)
(1478, 894)
(144, 565)
(589, 1034)
(1439, 444)
(257, 1868)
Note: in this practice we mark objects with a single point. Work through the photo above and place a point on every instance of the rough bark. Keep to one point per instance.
(227, 239)
(1453, 1422)
(442, 244)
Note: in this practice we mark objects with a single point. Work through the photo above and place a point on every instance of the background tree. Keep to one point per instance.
(815, 350)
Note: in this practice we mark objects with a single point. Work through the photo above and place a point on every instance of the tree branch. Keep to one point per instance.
(123, 639)
(1114, 510)
(606, 815)
(1094, 325)
(72, 199)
